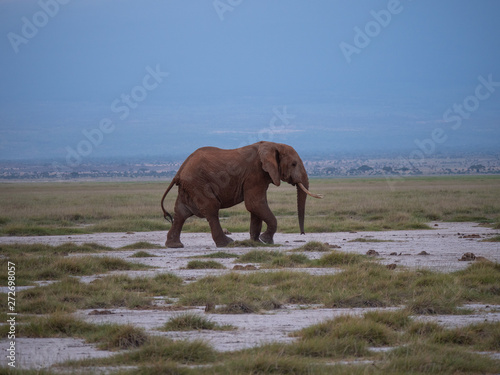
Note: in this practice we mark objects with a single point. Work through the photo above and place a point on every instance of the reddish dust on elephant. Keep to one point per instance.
(211, 179)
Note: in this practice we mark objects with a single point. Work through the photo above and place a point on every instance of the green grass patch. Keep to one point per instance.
(30, 229)
(106, 336)
(69, 294)
(161, 352)
(268, 359)
(142, 254)
(258, 256)
(339, 258)
(43, 249)
(277, 259)
(142, 245)
(290, 261)
(349, 204)
(369, 240)
(203, 265)
(55, 266)
(314, 246)
(250, 243)
(482, 336)
(425, 358)
(360, 284)
(219, 255)
(193, 322)
(274, 259)
(492, 239)
(366, 331)
(417, 347)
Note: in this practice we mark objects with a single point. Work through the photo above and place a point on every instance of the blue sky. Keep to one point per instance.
(99, 78)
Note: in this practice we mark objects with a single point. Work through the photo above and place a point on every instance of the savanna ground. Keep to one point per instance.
(350, 313)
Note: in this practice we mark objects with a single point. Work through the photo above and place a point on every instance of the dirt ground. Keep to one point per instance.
(439, 250)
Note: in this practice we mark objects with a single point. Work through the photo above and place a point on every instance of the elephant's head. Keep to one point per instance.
(282, 163)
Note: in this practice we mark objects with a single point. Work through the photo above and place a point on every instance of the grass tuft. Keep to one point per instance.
(492, 239)
(420, 358)
(70, 294)
(314, 246)
(192, 321)
(141, 246)
(107, 336)
(56, 267)
(159, 349)
(202, 265)
(369, 332)
(219, 255)
(142, 254)
(339, 258)
(258, 256)
(250, 243)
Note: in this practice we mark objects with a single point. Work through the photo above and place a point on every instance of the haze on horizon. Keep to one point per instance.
(91, 79)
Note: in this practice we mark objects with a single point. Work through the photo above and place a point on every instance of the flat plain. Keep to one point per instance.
(349, 204)
(381, 282)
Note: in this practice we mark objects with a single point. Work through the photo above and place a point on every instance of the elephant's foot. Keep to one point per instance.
(174, 244)
(266, 238)
(224, 241)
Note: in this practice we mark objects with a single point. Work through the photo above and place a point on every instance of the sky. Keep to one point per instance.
(83, 80)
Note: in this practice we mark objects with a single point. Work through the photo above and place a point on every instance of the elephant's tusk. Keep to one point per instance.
(308, 192)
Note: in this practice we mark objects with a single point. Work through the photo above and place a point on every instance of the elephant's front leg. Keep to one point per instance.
(272, 226)
(255, 227)
(261, 212)
(220, 239)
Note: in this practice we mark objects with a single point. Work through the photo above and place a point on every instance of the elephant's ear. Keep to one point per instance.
(269, 154)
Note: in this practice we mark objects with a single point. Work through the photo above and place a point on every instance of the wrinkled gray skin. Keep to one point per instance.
(211, 179)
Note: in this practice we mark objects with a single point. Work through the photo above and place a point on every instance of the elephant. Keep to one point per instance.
(211, 179)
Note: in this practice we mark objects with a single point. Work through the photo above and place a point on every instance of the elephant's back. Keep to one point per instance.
(215, 158)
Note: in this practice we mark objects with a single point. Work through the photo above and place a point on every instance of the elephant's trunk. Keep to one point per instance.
(302, 193)
(301, 206)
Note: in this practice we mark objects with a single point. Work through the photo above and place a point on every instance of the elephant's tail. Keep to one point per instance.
(166, 215)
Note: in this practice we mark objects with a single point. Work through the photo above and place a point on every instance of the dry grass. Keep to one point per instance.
(193, 322)
(343, 345)
(45, 262)
(349, 204)
(107, 336)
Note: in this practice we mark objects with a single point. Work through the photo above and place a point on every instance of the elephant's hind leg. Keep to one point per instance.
(220, 239)
(174, 234)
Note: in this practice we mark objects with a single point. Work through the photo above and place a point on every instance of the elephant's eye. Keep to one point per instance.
(294, 164)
